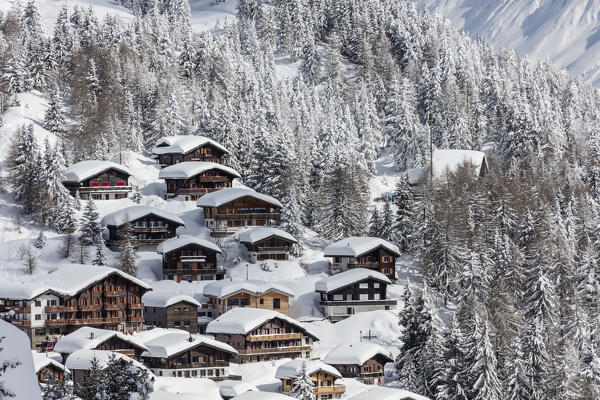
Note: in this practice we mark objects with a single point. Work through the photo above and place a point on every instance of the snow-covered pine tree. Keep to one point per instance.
(303, 385)
(40, 241)
(30, 259)
(127, 251)
(56, 390)
(54, 120)
(99, 257)
(6, 364)
(375, 223)
(404, 223)
(387, 222)
(93, 385)
(24, 168)
(90, 226)
(516, 385)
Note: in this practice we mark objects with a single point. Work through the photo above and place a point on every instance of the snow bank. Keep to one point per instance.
(184, 144)
(87, 169)
(183, 240)
(349, 277)
(133, 213)
(188, 169)
(226, 195)
(226, 288)
(355, 353)
(292, 368)
(267, 271)
(170, 388)
(21, 381)
(386, 393)
(88, 338)
(357, 246)
(174, 343)
(166, 299)
(229, 388)
(255, 235)
(261, 396)
(450, 160)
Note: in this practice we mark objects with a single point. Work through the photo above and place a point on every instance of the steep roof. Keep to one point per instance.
(174, 343)
(188, 169)
(291, 369)
(449, 160)
(226, 288)
(41, 360)
(226, 195)
(133, 213)
(386, 393)
(68, 280)
(166, 299)
(356, 353)
(349, 277)
(184, 144)
(261, 233)
(242, 320)
(87, 169)
(82, 359)
(88, 338)
(357, 246)
(178, 242)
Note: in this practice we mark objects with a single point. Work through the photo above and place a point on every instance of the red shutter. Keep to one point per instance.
(94, 184)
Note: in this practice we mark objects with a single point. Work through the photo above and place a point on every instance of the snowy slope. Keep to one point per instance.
(567, 32)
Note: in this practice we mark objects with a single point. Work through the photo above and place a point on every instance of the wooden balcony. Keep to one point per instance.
(335, 389)
(151, 229)
(22, 310)
(135, 319)
(115, 306)
(115, 293)
(91, 307)
(20, 322)
(67, 308)
(282, 336)
(51, 309)
(272, 350)
(267, 250)
(102, 189)
(199, 258)
(136, 306)
(112, 320)
(213, 179)
(274, 216)
(53, 322)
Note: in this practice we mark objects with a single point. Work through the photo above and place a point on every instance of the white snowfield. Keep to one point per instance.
(261, 396)
(220, 197)
(356, 246)
(347, 278)
(178, 242)
(183, 144)
(386, 393)
(355, 353)
(21, 380)
(88, 338)
(226, 287)
(67, 280)
(82, 359)
(189, 169)
(166, 299)
(133, 213)
(255, 235)
(42, 360)
(243, 320)
(291, 369)
(229, 388)
(450, 160)
(87, 169)
(174, 343)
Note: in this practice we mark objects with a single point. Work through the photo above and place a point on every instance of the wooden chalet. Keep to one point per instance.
(190, 180)
(227, 210)
(188, 258)
(72, 297)
(226, 295)
(353, 291)
(265, 243)
(168, 310)
(170, 150)
(80, 363)
(88, 338)
(102, 180)
(323, 377)
(363, 361)
(188, 356)
(151, 226)
(48, 369)
(363, 252)
(261, 335)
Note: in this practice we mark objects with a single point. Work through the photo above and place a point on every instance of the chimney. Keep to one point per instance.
(91, 335)
(190, 339)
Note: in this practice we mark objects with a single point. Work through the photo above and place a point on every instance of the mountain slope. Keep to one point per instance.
(568, 32)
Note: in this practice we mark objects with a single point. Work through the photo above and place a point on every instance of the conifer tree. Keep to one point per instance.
(90, 226)
(93, 385)
(404, 223)
(40, 241)
(54, 120)
(53, 390)
(375, 223)
(387, 223)
(303, 385)
(516, 386)
(127, 252)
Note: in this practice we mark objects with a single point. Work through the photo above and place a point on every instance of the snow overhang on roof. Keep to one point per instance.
(84, 170)
(256, 235)
(133, 213)
(178, 242)
(189, 169)
(347, 278)
(183, 144)
(226, 288)
(226, 195)
(357, 246)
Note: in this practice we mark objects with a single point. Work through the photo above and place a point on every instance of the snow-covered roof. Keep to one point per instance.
(357, 246)
(133, 213)
(21, 380)
(87, 169)
(183, 240)
(449, 160)
(226, 195)
(174, 343)
(386, 393)
(166, 299)
(261, 233)
(82, 359)
(356, 353)
(41, 360)
(258, 395)
(88, 338)
(291, 369)
(349, 277)
(183, 144)
(68, 280)
(188, 169)
(225, 288)
(230, 388)
(242, 320)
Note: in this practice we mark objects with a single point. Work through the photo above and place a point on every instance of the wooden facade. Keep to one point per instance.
(181, 315)
(324, 383)
(379, 259)
(191, 262)
(51, 373)
(370, 372)
(272, 248)
(112, 303)
(273, 340)
(108, 185)
(206, 152)
(198, 185)
(149, 230)
(243, 212)
(270, 300)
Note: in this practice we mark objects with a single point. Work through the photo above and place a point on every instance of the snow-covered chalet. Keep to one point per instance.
(100, 180)
(189, 258)
(170, 150)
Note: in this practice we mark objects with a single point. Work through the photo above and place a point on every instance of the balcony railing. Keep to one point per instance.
(135, 319)
(384, 302)
(201, 257)
(193, 271)
(281, 336)
(335, 389)
(96, 189)
(136, 306)
(51, 309)
(275, 216)
(52, 322)
(284, 249)
(20, 322)
(151, 228)
(67, 308)
(115, 306)
(23, 310)
(115, 293)
(213, 179)
(271, 350)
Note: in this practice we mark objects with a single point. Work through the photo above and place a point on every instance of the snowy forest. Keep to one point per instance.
(510, 304)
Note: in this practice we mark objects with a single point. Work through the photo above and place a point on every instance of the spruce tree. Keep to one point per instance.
(516, 385)
(90, 226)
(375, 223)
(404, 221)
(387, 223)
(127, 251)
(303, 385)
(40, 241)
(93, 386)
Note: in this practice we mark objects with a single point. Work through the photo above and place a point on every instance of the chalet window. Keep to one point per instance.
(186, 309)
(386, 259)
(105, 183)
(276, 303)
(262, 301)
(186, 323)
(177, 309)
(38, 317)
(363, 285)
(364, 296)
(94, 184)
(338, 297)
(121, 183)
(38, 303)
(233, 302)
(178, 324)
(376, 285)
(195, 359)
(376, 296)
(337, 260)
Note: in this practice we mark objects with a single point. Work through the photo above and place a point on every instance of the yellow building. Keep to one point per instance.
(225, 295)
(322, 375)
